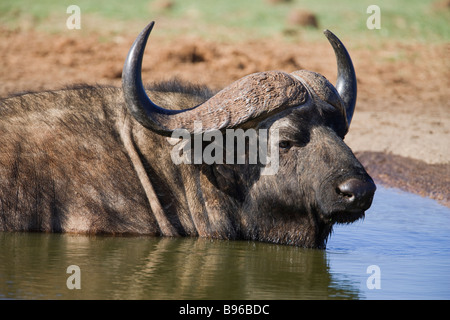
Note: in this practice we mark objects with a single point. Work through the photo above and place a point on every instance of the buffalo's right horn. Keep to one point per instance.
(346, 78)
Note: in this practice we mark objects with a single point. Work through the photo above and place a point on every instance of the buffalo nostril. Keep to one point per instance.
(358, 193)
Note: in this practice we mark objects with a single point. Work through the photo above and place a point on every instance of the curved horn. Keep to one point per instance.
(257, 95)
(346, 78)
(139, 104)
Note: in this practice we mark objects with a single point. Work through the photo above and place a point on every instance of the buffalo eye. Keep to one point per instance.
(285, 145)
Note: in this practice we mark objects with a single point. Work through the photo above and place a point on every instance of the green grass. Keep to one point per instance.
(404, 20)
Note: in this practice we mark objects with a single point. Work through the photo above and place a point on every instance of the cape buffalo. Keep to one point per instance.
(100, 159)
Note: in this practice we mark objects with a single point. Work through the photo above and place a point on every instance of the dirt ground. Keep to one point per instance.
(400, 130)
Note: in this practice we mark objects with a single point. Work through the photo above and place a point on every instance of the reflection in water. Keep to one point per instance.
(407, 236)
(34, 266)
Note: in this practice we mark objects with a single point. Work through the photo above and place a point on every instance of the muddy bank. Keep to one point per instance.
(419, 177)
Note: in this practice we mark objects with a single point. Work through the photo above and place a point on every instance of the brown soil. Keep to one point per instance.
(400, 130)
(428, 180)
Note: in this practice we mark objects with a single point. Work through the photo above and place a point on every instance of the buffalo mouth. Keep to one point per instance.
(346, 217)
(351, 199)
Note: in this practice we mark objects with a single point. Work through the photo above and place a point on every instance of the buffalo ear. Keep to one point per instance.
(226, 178)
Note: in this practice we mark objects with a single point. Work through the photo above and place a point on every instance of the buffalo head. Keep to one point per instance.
(319, 181)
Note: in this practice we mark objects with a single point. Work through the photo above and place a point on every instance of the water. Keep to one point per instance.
(408, 237)
(405, 236)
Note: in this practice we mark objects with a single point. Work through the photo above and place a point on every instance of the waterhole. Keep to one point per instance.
(401, 250)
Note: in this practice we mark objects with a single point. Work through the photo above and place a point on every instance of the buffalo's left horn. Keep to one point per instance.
(256, 96)
(346, 78)
(141, 107)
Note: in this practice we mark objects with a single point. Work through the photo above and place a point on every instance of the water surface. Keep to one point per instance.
(405, 236)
